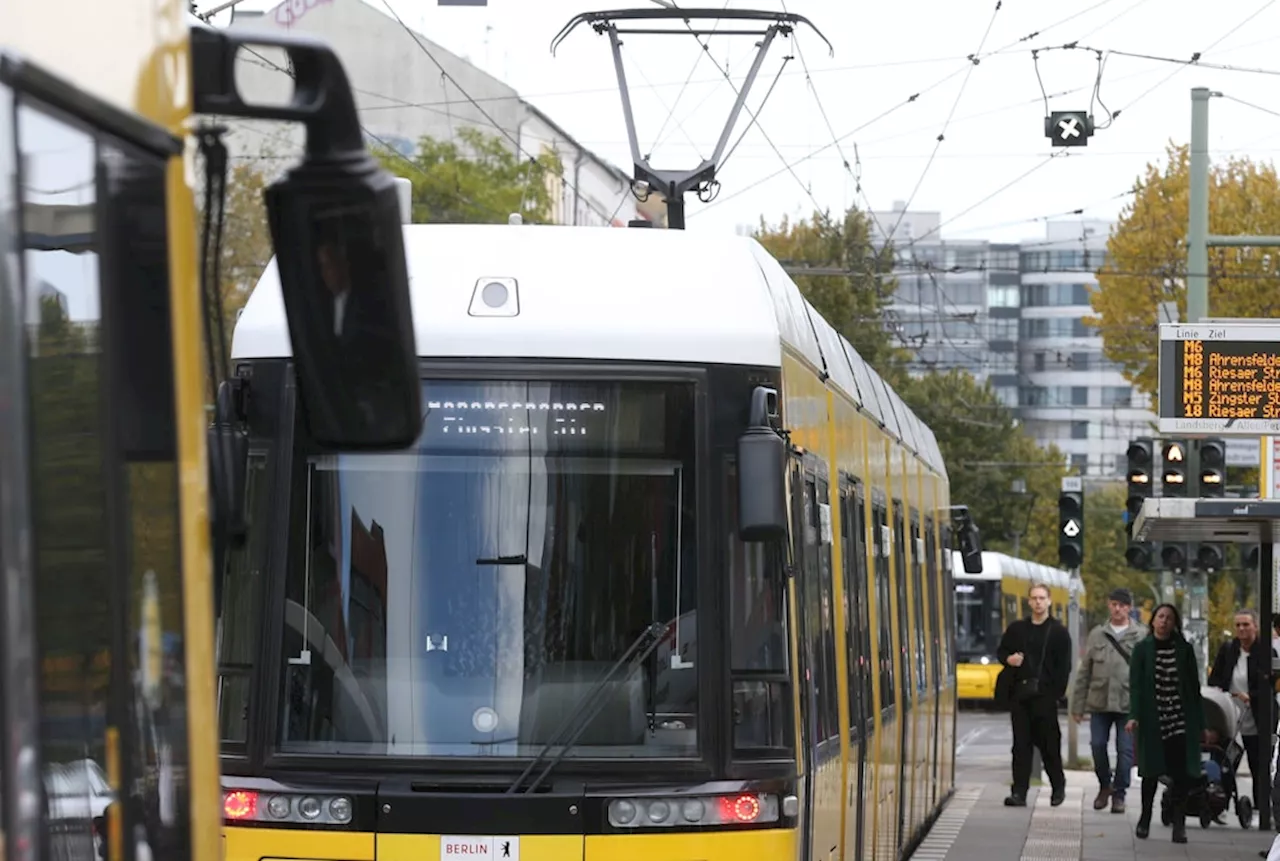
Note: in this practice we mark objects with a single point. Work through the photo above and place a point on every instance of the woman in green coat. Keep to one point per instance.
(1166, 716)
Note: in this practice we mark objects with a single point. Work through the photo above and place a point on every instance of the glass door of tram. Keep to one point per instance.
(92, 651)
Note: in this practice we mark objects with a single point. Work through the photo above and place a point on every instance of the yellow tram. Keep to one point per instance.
(107, 313)
(560, 626)
(986, 602)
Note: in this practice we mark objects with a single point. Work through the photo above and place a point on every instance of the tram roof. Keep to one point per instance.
(996, 566)
(611, 294)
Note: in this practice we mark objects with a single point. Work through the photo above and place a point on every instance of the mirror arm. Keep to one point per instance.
(322, 99)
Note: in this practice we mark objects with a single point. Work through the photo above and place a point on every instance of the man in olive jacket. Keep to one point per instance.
(1102, 689)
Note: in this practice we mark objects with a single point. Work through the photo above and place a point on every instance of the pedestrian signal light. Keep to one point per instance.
(1174, 476)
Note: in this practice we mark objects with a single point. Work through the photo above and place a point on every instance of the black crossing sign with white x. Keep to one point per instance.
(1069, 128)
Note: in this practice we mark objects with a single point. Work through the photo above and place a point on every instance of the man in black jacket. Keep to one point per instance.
(1036, 654)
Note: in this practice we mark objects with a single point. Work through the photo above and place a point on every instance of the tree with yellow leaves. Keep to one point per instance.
(1147, 257)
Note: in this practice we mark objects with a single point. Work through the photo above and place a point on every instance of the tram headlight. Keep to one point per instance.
(279, 806)
(309, 807)
(740, 809)
(340, 810)
(984, 660)
(622, 812)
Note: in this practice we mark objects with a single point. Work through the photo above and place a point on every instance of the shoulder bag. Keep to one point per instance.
(1029, 688)
(1119, 648)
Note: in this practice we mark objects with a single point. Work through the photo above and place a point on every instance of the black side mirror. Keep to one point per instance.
(762, 471)
(969, 539)
(336, 227)
(228, 469)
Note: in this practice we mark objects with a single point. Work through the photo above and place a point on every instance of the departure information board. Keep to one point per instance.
(1220, 378)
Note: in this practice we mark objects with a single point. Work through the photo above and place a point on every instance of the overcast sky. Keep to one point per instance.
(989, 177)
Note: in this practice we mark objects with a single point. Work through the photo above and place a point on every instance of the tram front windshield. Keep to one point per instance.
(464, 598)
(977, 621)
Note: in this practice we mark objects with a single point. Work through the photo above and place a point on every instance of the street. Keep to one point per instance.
(984, 741)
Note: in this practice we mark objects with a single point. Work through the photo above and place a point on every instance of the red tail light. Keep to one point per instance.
(240, 804)
(743, 808)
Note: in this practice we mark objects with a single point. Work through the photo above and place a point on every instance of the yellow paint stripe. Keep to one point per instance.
(114, 824)
(193, 502)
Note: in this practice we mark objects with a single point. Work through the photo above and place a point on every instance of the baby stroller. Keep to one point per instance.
(1216, 789)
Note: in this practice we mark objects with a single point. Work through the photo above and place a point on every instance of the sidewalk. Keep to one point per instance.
(976, 826)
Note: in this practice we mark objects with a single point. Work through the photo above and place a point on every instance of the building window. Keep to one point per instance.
(1079, 430)
(1117, 396)
(1079, 396)
(1002, 297)
(1080, 462)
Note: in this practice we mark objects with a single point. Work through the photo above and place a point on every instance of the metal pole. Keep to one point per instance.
(1073, 627)
(1198, 209)
(1266, 563)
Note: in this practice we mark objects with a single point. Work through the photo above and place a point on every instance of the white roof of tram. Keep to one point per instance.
(597, 293)
(996, 566)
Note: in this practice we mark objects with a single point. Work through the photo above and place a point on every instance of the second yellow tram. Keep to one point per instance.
(538, 633)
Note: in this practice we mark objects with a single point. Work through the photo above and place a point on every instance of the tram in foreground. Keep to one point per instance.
(986, 602)
(108, 746)
(662, 577)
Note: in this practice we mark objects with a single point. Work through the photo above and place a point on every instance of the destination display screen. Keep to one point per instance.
(1212, 381)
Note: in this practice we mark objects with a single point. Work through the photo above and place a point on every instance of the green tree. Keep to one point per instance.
(1147, 257)
(856, 301)
(986, 453)
(476, 179)
(1105, 541)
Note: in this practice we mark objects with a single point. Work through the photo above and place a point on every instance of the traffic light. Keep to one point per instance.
(1139, 555)
(1210, 557)
(1213, 467)
(1071, 529)
(1141, 454)
(1173, 556)
(1174, 476)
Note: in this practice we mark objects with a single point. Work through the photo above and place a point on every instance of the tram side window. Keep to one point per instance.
(880, 520)
(759, 653)
(857, 633)
(917, 588)
(900, 578)
(829, 688)
(937, 643)
(817, 614)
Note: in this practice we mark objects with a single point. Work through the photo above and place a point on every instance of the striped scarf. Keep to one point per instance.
(1168, 690)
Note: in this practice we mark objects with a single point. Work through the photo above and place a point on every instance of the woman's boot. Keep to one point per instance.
(1148, 801)
(1180, 817)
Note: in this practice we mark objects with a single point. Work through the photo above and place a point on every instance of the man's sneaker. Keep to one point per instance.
(1117, 805)
(1016, 800)
(1104, 795)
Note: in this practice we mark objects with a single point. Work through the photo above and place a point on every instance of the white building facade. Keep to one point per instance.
(402, 95)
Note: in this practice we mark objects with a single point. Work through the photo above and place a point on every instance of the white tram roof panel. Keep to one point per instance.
(592, 293)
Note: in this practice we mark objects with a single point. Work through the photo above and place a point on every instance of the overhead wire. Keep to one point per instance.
(974, 61)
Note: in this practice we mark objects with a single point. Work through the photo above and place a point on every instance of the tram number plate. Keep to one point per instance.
(472, 847)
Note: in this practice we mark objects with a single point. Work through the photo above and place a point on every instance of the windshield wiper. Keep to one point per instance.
(586, 709)
(518, 559)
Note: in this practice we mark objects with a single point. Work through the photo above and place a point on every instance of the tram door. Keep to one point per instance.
(92, 653)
